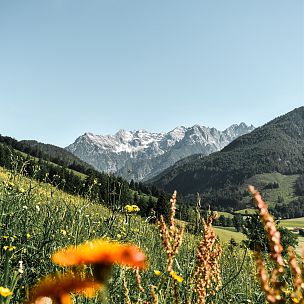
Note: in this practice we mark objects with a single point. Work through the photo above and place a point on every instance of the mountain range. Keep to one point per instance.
(277, 146)
(141, 155)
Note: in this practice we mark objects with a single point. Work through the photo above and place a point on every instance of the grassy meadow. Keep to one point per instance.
(285, 188)
(37, 219)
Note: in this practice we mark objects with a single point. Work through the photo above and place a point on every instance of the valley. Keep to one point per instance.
(60, 200)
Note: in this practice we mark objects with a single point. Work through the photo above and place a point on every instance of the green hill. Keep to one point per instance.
(275, 147)
(60, 168)
(48, 152)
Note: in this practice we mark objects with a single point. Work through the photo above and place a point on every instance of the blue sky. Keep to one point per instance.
(69, 66)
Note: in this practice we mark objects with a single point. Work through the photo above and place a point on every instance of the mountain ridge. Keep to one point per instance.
(140, 155)
(277, 146)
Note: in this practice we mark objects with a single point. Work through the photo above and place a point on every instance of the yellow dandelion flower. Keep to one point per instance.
(131, 208)
(157, 272)
(135, 208)
(9, 248)
(176, 277)
(28, 235)
(5, 292)
(128, 208)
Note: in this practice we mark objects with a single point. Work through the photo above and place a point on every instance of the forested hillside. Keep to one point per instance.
(277, 146)
(54, 165)
(48, 152)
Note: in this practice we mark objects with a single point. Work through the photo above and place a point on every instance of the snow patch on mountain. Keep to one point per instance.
(140, 154)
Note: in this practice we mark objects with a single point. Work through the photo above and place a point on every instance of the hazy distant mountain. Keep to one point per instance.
(140, 155)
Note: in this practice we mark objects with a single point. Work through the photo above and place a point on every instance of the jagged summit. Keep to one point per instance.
(141, 154)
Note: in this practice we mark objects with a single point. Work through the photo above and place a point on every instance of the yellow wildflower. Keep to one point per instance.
(5, 292)
(157, 272)
(128, 208)
(9, 248)
(132, 208)
(135, 208)
(28, 235)
(176, 277)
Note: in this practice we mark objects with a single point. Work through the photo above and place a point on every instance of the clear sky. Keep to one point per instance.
(69, 67)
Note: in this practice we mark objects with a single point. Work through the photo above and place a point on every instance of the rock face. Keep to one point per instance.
(141, 155)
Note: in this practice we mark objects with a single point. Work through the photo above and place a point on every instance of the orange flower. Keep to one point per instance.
(57, 289)
(101, 252)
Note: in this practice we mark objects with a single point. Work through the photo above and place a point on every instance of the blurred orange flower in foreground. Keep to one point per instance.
(56, 289)
(101, 252)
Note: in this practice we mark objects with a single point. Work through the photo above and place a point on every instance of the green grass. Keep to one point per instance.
(247, 211)
(295, 222)
(300, 245)
(225, 234)
(25, 155)
(226, 214)
(40, 219)
(285, 190)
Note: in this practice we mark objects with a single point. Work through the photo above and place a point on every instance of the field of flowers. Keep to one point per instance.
(116, 257)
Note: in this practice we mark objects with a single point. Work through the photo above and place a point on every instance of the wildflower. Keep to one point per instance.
(138, 280)
(44, 300)
(153, 294)
(171, 236)
(157, 272)
(271, 282)
(176, 277)
(5, 292)
(58, 289)
(9, 248)
(131, 208)
(9, 185)
(21, 268)
(28, 235)
(206, 272)
(100, 252)
(135, 208)
(21, 190)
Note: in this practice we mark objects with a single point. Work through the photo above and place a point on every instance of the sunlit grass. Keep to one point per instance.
(295, 222)
(37, 219)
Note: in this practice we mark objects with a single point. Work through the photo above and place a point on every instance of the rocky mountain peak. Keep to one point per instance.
(145, 154)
